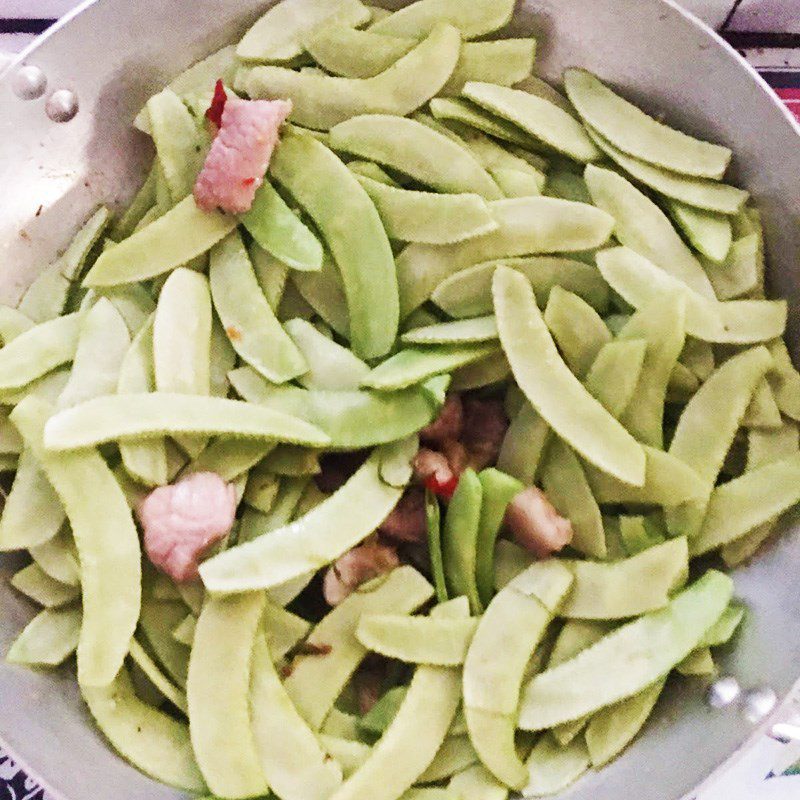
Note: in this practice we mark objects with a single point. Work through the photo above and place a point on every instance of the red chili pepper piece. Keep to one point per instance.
(445, 489)
(214, 111)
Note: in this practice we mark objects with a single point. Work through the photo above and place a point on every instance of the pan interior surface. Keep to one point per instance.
(115, 54)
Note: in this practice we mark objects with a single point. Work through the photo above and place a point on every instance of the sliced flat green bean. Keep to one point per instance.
(278, 230)
(538, 117)
(158, 620)
(180, 235)
(471, 115)
(317, 293)
(279, 514)
(416, 364)
(648, 647)
(58, 557)
(699, 662)
(13, 323)
(46, 297)
(527, 225)
(477, 783)
(502, 63)
(645, 228)
(555, 392)
(724, 397)
(638, 134)
(292, 461)
(271, 274)
(698, 357)
(151, 740)
(325, 533)
(516, 183)
(468, 293)
(279, 34)
(38, 351)
(412, 740)
(785, 380)
(433, 517)
(230, 458)
(480, 329)
(732, 322)
(455, 754)
(513, 624)
(568, 490)
(552, 768)
(316, 681)
(134, 304)
(35, 583)
(352, 53)
(142, 202)
(323, 185)
(283, 630)
(290, 755)
(136, 417)
(184, 631)
(369, 169)
(49, 639)
(739, 272)
(412, 216)
(348, 753)
(709, 233)
(416, 150)
(397, 461)
(612, 729)
(708, 195)
(380, 716)
(344, 725)
(261, 490)
(322, 101)
(156, 677)
(249, 322)
(524, 445)
(763, 411)
(473, 19)
(107, 542)
(615, 374)
(486, 372)
(218, 692)
(494, 155)
(352, 419)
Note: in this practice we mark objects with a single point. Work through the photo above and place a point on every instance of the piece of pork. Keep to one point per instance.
(536, 525)
(181, 522)
(357, 566)
(448, 425)
(240, 154)
(407, 521)
(485, 426)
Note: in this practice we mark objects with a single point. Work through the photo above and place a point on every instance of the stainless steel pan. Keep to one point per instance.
(113, 54)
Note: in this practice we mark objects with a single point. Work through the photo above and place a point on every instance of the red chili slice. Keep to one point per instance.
(444, 489)
(214, 111)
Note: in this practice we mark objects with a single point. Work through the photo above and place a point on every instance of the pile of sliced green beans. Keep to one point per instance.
(435, 219)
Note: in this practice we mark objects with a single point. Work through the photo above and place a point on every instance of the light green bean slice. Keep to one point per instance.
(397, 461)
(538, 117)
(413, 216)
(184, 631)
(322, 101)
(283, 630)
(416, 364)
(352, 419)
(455, 754)
(611, 730)
(567, 185)
(739, 506)
(516, 183)
(325, 533)
(278, 515)
(279, 231)
(638, 134)
(35, 583)
(316, 681)
(636, 535)
(486, 372)
(156, 677)
(577, 328)
(414, 736)
(738, 274)
(292, 759)
(513, 624)
(615, 373)
(725, 628)
(135, 417)
(380, 716)
(142, 202)
(709, 233)
(292, 461)
(38, 351)
(698, 357)
(568, 490)
(133, 302)
(46, 297)
(159, 618)
(476, 783)
(330, 366)
(278, 35)
(346, 726)
(724, 397)
(179, 142)
(353, 53)
(323, 185)
(555, 392)
(460, 539)
(524, 445)
(416, 150)
(370, 169)
(49, 639)
(527, 225)
(492, 154)
(472, 19)
(271, 274)
(321, 294)
(468, 293)
(230, 458)
(13, 323)
(433, 519)
(480, 329)
(151, 740)
(502, 63)
(31, 500)
(732, 322)
(469, 114)
(763, 411)
(701, 193)
(785, 380)
(699, 662)
(648, 647)
(641, 225)
(249, 322)
(58, 557)
(417, 640)
(218, 691)
(180, 235)
(107, 542)
(552, 768)
(348, 753)
(261, 490)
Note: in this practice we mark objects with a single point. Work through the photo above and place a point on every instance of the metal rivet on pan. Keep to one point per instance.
(758, 704)
(29, 82)
(62, 105)
(723, 692)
